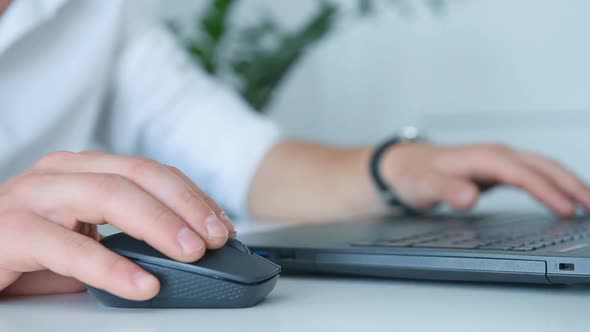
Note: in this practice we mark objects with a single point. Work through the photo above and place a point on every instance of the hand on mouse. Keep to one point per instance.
(48, 217)
(424, 175)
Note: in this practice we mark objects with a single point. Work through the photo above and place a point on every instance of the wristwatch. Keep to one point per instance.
(407, 134)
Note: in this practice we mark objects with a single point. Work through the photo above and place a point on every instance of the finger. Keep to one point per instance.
(419, 195)
(459, 193)
(7, 278)
(229, 224)
(561, 177)
(43, 283)
(501, 166)
(74, 255)
(157, 180)
(100, 198)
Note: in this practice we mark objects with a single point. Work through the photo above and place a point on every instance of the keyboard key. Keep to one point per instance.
(471, 244)
(525, 248)
(497, 247)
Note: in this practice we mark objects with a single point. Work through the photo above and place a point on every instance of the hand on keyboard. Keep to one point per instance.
(425, 175)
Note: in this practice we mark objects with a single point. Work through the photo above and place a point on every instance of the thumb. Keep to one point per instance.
(7, 278)
(457, 192)
(43, 282)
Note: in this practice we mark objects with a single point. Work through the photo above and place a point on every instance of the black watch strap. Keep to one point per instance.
(387, 193)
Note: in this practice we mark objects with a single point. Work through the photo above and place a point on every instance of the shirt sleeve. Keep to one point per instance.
(163, 107)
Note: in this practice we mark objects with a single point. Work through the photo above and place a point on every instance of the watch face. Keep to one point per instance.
(411, 134)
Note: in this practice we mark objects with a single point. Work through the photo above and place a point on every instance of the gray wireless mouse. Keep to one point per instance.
(229, 277)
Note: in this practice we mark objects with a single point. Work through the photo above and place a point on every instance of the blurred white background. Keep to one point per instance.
(506, 71)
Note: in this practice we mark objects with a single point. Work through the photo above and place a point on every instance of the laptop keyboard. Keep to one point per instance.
(524, 236)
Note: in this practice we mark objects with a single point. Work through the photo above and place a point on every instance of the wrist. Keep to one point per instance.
(382, 175)
(391, 165)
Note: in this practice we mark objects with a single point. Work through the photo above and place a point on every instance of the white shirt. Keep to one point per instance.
(81, 74)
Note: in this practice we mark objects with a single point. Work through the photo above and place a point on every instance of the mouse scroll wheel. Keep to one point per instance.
(238, 245)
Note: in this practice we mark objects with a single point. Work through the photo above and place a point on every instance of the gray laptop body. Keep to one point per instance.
(520, 248)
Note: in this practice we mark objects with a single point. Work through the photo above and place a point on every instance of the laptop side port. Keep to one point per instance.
(567, 267)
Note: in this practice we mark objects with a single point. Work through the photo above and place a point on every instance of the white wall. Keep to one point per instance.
(502, 70)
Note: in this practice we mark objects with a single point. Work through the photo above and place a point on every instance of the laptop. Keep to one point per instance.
(511, 247)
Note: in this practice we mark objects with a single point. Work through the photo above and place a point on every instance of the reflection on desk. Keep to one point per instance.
(327, 303)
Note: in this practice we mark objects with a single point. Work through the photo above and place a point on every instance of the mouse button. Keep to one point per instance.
(232, 264)
(128, 246)
(235, 243)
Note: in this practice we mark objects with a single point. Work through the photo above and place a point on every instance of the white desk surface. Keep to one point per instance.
(327, 304)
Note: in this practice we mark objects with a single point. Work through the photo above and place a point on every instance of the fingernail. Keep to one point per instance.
(215, 227)
(189, 241)
(228, 222)
(144, 280)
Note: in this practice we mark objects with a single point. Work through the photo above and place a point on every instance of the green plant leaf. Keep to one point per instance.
(265, 52)
(262, 70)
